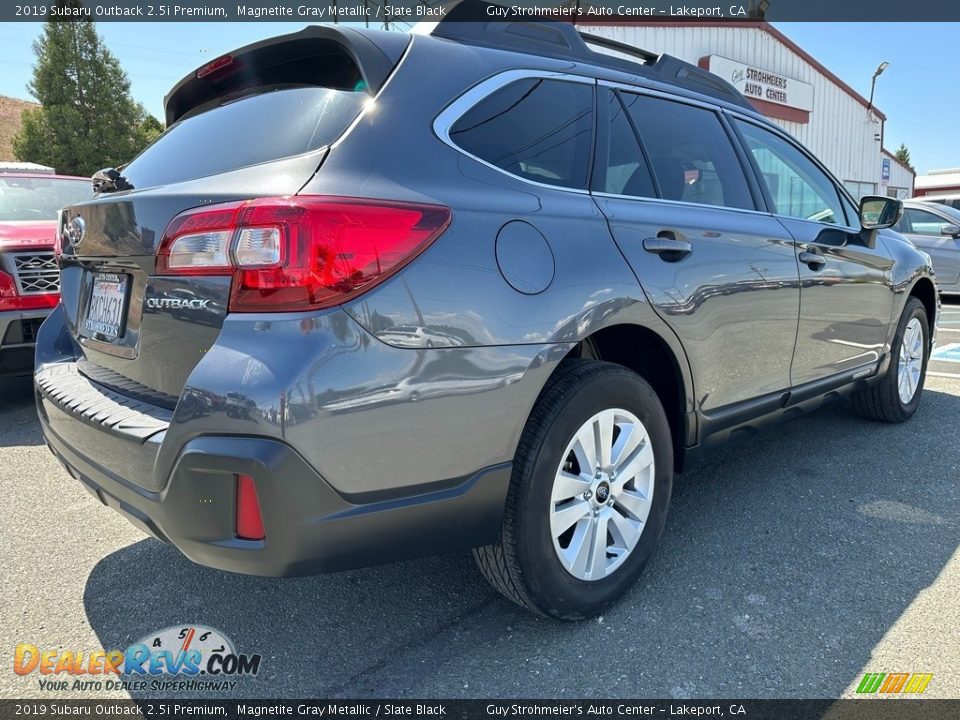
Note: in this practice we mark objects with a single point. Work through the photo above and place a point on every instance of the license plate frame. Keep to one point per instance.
(109, 298)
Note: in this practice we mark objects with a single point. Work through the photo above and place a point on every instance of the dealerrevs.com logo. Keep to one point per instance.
(186, 657)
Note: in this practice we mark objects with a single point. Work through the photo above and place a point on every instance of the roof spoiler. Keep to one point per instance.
(468, 22)
(374, 53)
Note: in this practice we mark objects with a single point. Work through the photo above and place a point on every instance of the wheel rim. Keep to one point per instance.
(911, 361)
(602, 493)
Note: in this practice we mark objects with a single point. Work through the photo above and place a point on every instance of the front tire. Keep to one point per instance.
(588, 496)
(895, 397)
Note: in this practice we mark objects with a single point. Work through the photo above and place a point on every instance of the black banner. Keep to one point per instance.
(872, 709)
(376, 13)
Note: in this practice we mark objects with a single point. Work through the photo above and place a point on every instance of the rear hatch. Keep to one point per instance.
(255, 123)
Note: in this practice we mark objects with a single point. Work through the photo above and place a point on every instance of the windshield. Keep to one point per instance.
(39, 198)
(247, 131)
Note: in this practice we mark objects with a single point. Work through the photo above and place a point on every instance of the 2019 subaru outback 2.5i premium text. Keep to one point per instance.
(373, 296)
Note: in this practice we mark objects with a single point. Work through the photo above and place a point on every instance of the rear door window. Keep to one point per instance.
(537, 129)
(691, 153)
(253, 129)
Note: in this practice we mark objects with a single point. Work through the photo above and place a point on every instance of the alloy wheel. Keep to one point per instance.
(911, 361)
(602, 494)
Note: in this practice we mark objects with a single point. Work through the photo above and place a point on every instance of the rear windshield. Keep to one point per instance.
(39, 198)
(250, 130)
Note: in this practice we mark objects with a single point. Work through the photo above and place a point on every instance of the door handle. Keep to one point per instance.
(668, 246)
(813, 259)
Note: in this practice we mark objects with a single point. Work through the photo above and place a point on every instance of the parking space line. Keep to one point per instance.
(934, 373)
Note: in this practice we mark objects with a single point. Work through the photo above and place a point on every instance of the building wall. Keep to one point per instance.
(841, 132)
(900, 184)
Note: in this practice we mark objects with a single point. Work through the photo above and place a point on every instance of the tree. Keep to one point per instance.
(903, 155)
(87, 119)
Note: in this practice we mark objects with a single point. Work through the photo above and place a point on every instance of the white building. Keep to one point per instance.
(787, 85)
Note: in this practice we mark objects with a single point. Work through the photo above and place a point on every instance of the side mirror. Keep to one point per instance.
(951, 230)
(878, 212)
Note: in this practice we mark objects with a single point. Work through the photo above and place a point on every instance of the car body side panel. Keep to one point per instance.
(846, 304)
(368, 417)
(733, 301)
(455, 295)
(910, 266)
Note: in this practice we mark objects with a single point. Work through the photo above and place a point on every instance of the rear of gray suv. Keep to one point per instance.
(373, 296)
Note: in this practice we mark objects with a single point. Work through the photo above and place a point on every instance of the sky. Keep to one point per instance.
(921, 111)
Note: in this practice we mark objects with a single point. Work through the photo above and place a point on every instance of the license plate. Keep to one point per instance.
(106, 307)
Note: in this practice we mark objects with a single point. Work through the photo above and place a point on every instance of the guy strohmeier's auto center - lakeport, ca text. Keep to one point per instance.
(360, 10)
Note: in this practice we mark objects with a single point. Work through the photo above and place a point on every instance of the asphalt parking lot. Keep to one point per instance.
(791, 564)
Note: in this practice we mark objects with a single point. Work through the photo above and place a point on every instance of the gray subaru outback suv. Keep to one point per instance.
(374, 296)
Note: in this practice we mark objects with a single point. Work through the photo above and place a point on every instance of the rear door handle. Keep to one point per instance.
(813, 259)
(668, 246)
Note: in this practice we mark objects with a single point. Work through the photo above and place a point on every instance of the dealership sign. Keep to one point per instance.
(760, 84)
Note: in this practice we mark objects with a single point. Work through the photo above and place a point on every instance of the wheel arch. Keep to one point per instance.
(926, 292)
(656, 360)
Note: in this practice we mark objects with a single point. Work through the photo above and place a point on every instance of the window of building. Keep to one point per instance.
(691, 154)
(860, 189)
(537, 129)
(797, 187)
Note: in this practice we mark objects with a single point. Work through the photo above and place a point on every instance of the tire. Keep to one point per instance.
(525, 564)
(882, 401)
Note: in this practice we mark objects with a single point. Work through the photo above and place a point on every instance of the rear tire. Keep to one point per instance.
(894, 398)
(615, 521)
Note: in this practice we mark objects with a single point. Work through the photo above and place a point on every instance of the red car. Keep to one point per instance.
(29, 276)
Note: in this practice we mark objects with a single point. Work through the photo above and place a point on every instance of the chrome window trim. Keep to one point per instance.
(465, 102)
(664, 95)
(739, 115)
(682, 203)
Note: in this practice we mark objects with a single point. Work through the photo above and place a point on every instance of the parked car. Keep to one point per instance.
(950, 200)
(591, 314)
(935, 229)
(29, 277)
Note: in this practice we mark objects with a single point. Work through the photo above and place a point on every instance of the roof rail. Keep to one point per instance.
(468, 22)
(600, 41)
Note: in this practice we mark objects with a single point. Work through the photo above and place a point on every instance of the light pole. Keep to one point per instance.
(873, 83)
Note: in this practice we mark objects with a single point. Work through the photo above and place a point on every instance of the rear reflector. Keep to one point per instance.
(299, 253)
(249, 519)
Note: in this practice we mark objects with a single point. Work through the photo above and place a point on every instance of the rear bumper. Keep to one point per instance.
(310, 528)
(18, 333)
(357, 449)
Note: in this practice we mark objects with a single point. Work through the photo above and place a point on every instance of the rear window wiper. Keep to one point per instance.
(109, 180)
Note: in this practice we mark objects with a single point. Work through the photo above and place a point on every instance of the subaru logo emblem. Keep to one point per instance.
(75, 231)
(603, 492)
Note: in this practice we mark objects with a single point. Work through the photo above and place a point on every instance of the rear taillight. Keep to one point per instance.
(299, 253)
(249, 518)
